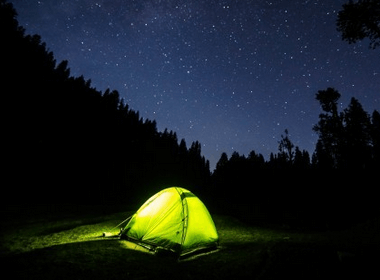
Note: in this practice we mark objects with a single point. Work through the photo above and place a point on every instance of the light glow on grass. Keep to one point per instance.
(75, 248)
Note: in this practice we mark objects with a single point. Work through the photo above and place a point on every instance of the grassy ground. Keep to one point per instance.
(69, 245)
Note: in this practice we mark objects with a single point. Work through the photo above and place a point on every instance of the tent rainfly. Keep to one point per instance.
(174, 219)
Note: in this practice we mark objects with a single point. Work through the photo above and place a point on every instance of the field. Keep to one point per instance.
(67, 243)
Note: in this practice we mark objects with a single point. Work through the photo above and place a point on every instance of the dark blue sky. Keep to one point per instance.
(232, 74)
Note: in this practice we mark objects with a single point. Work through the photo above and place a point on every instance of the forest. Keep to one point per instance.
(65, 138)
(64, 141)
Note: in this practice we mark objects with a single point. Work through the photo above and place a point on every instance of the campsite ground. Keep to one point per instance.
(67, 243)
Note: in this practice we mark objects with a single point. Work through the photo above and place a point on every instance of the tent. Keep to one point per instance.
(174, 219)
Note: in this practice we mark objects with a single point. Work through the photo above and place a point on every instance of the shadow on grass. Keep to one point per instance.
(116, 259)
(318, 261)
(100, 259)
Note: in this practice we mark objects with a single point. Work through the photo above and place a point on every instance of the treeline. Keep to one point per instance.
(348, 140)
(336, 186)
(65, 141)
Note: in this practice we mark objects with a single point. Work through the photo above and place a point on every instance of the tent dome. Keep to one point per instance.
(173, 219)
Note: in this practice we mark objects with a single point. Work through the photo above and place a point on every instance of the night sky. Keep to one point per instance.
(231, 74)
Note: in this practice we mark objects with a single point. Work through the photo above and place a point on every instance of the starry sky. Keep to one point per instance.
(232, 74)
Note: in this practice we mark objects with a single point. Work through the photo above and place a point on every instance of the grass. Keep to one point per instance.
(69, 245)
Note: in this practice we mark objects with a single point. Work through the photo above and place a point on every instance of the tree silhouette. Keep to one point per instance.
(256, 160)
(356, 150)
(375, 135)
(329, 129)
(285, 146)
(346, 139)
(301, 159)
(222, 162)
(360, 20)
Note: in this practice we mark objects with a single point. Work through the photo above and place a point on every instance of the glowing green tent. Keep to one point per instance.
(173, 219)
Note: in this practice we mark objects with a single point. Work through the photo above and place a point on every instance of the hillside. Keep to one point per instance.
(66, 141)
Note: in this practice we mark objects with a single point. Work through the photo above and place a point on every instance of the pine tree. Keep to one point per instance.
(285, 146)
(222, 162)
(329, 129)
(375, 136)
(360, 20)
(356, 150)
